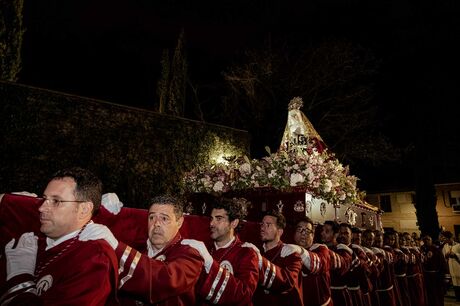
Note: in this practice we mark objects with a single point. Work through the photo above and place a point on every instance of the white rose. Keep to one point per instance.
(327, 185)
(206, 183)
(296, 178)
(218, 186)
(245, 169)
(310, 174)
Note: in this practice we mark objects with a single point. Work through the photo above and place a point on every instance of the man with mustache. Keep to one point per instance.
(58, 267)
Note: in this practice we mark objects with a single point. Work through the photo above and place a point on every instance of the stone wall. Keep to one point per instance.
(136, 153)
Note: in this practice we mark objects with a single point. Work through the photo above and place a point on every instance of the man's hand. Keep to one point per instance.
(94, 231)
(201, 248)
(256, 249)
(25, 193)
(289, 249)
(22, 258)
(111, 202)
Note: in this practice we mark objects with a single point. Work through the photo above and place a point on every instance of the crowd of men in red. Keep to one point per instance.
(330, 264)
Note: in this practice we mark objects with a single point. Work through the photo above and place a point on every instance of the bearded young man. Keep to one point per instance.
(280, 279)
(234, 273)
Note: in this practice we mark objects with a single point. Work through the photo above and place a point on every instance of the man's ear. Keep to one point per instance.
(280, 231)
(234, 223)
(86, 208)
(180, 221)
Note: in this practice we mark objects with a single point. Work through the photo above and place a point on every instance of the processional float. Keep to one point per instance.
(302, 179)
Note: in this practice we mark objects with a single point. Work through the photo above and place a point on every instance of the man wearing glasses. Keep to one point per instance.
(57, 267)
(315, 271)
(280, 281)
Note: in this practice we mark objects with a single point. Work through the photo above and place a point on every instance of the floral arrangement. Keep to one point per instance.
(307, 170)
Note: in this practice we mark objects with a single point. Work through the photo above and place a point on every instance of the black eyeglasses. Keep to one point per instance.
(56, 202)
(303, 230)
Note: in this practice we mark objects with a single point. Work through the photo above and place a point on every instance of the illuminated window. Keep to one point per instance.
(454, 196)
(385, 203)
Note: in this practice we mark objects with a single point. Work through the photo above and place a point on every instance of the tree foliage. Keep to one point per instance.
(335, 80)
(171, 88)
(11, 35)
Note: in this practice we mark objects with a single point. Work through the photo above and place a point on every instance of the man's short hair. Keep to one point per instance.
(334, 225)
(280, 219)
(88, 186)
(447, 234)
(368, 231)
(344, 224)
(355, 230)
(166, 199)
(236, 208)
(307, 220)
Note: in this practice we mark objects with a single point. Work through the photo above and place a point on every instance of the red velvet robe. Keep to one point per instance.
(280, 281)
(385, 284)
(233, 277)
(414, 277)
(72, 273)
(316, 279)
(169, 278)
(341, 257)
(435, 270)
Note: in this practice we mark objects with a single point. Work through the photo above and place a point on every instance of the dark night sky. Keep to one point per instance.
(111, 50)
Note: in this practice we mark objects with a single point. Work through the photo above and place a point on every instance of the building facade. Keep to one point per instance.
(399, 210)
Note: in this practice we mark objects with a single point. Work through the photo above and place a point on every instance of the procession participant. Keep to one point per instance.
(414, 276)
(70, 199)
(315, 271)
(375, 263)
(170, 270)
(234, 273)
(356, 235)
(451, 251)
(398, 264)
(280, 281)
(434, 271)
(385, 284)
(357, 280)
(340, 263)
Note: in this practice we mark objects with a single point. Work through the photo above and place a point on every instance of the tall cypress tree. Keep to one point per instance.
(177, 87)
(163, 83)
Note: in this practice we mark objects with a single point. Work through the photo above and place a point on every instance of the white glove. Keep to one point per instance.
(94, 231)
(250, 245)
(22, 258)
(201, 248)
(289, 249)
(355, 263)
(25, 193)
(111, 202)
